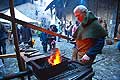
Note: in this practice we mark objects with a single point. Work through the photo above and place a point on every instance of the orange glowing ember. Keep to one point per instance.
(55, 58)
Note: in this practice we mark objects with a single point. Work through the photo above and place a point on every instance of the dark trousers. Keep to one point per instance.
(3, 47)
(45, 48)
(44, 44)
(59, 37)
(68, 35)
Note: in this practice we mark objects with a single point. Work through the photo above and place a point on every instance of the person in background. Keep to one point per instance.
(75, 27)
(26, 34)
(73, 31)
(3, 38)
(108, 40)
(44, 40)
(18, 32)
(103, 23)
(118, 38)
(69, 29)
(89, 36)
(52, 39)
(59, 30)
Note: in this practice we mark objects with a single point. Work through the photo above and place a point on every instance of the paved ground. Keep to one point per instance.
(106, 69)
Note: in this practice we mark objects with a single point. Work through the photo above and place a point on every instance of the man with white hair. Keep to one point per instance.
(89, 36)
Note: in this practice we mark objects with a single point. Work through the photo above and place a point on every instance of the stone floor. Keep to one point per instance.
(108, 68)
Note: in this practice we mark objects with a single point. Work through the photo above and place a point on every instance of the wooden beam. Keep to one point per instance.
(20, 64)
(16, 75)
(13, 55)
(25, 24)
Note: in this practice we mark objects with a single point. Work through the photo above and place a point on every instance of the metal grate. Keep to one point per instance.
(67, 70)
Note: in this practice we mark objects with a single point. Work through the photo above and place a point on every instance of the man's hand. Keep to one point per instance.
(85, 58)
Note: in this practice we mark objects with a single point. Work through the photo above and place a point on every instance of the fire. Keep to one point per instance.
(55, 58)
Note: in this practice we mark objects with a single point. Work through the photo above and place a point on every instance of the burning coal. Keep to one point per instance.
(55, 58)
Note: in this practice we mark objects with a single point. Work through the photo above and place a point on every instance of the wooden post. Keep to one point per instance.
(117, 18)
(20, 65)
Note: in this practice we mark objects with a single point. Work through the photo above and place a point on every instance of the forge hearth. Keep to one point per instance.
(44, 70)
(65, 70)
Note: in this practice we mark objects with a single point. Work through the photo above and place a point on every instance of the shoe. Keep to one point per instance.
(49, 50)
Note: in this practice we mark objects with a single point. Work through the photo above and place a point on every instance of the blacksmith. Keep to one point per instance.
(89, 36)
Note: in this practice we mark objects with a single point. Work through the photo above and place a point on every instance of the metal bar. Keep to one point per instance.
(83, 74)
(20, 65)
(25, 24)
(89, 76)
(75, 71)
